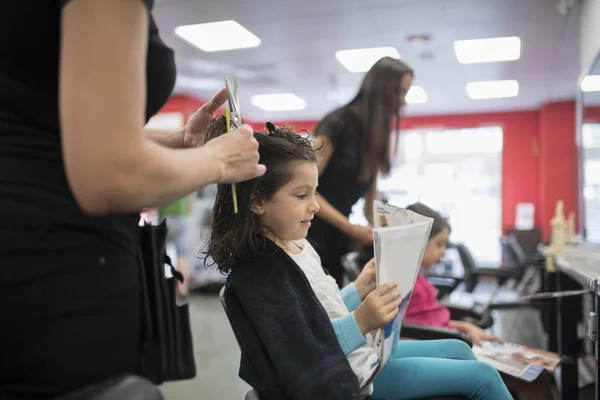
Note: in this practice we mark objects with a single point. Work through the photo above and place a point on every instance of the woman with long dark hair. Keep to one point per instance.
(354, 143)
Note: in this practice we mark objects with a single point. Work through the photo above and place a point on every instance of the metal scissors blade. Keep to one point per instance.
(234, 103)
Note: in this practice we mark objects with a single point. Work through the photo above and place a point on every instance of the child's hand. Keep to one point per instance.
(379, 307)
(365, 283)
(477, 335)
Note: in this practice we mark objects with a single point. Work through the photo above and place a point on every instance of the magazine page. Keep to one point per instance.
(519, 361)
(399, 239)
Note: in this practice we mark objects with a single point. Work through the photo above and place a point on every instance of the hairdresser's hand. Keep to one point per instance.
(365, 283)
(361, 233)
(194, 132)
(236, 156)
(379, 307)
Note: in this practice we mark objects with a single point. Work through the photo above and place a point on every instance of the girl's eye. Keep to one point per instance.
(301, 196)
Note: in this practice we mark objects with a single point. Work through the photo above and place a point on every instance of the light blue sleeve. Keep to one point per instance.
(350, 296)
(348, 333)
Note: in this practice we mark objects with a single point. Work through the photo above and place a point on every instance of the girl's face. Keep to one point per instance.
(288, 213)
(436, 248)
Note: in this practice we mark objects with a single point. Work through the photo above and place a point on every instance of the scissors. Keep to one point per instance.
(233, 95)
(234, 121)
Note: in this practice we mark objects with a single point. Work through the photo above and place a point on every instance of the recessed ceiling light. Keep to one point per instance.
(218, 36)
(492, 89)
(591, 83)
(361, 60)
(278, 102)
(488, 50)
(416, 95)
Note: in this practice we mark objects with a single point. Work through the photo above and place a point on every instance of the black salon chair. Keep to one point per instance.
(253, 394)
(531, 266)
(426, 332)
(512, 281)
(474, 273)
(122, 388)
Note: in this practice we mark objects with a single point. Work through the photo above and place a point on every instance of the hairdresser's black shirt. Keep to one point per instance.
(339, 184)
(37, 210)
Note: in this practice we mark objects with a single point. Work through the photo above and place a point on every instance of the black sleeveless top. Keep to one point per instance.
(37, 209)
(340, 183)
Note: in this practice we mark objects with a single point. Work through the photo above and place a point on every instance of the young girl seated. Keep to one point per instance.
(423, 307)
(271, 271)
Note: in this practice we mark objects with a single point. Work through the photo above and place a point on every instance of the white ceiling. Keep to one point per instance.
(300, 38)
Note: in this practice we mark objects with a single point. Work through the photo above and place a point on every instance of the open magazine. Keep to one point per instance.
(519, 361)
(399, 240)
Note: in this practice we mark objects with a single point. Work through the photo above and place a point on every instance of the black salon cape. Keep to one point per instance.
(289, 348)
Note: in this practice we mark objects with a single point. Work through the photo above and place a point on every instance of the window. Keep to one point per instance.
(457, 172)
(591, 180)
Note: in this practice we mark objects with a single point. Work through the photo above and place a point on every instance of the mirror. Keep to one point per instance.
(589, 151)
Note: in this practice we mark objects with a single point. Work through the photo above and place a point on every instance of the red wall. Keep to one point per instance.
(558, 160)
(186, 105)
(539, 159)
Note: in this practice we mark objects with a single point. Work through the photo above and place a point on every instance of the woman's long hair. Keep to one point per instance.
(375, 105)
(236, 237)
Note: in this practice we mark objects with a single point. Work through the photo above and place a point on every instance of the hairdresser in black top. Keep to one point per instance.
(78, 81)
(354, 143)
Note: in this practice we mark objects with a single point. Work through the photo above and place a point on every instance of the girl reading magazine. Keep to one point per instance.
(293, 339)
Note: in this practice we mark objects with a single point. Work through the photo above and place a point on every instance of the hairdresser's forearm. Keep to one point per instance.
(169, 138)
(154, 176)
(368, 210)
(331, 215)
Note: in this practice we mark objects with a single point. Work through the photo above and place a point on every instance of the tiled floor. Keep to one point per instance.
(217, 354)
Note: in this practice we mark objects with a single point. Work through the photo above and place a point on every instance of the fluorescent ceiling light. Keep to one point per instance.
(591, 83)
(218, 36)
(492, 89)
(361, 60)
(278, 102)
(488, 50)
(416, 95)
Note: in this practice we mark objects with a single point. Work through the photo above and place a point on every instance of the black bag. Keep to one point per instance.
(167, 352)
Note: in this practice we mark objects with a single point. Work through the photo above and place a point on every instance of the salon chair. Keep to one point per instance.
(253, 394)
(128, 387)
(511, 282)
(474, 273)
(532, 266)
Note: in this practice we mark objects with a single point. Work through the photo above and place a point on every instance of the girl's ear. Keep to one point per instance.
(256, 204)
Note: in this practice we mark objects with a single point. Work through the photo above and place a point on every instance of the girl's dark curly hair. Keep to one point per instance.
(236, 237)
